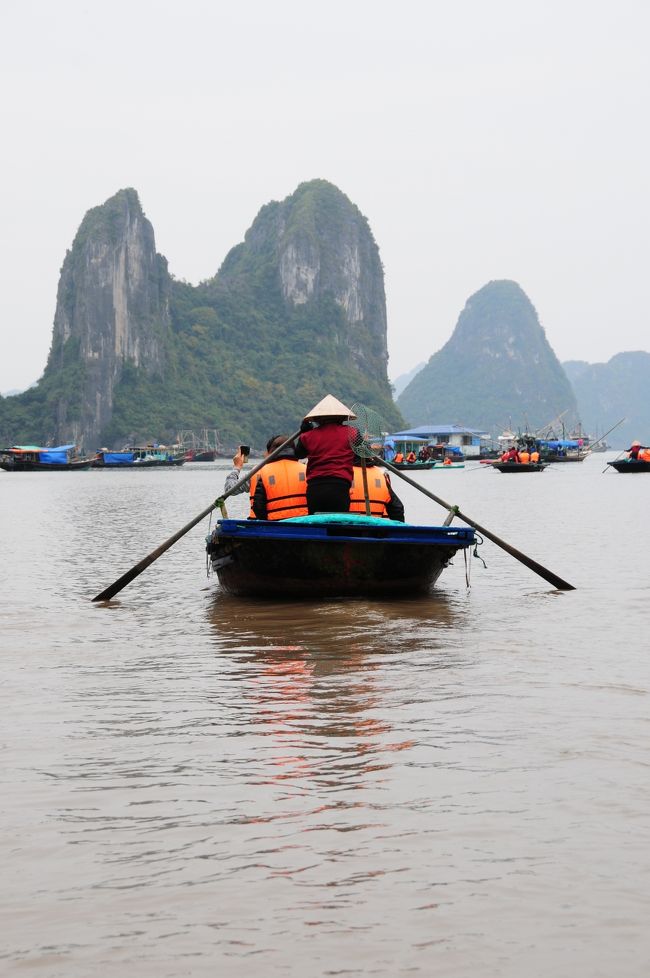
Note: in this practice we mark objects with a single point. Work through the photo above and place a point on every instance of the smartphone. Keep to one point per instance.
(245, 450)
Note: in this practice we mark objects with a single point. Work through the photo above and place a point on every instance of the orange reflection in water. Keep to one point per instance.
(320, 700)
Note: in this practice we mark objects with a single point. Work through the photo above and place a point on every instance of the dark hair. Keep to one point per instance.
(275, 441)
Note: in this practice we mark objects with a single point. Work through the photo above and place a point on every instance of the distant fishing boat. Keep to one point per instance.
(331, 555)
(33, 458)
(561, 450)
(138, 458)
(198, 455)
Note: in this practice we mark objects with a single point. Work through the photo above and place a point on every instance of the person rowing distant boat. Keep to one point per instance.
(638, 452)
(512, 455)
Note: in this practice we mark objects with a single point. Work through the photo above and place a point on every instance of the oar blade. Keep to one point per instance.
(559, 583)
(135, 571)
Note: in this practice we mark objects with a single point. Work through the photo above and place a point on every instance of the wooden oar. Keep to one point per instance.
(135, 571)
(548, 575)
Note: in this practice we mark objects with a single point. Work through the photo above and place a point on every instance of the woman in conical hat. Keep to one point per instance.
(330, 407)
(329, 454)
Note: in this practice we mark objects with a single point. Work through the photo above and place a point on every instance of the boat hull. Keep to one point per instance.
(416, 466)
(575, 457)
(141, 464)
(629, 465)
(519, 466)
(338, 558)
(18, 466)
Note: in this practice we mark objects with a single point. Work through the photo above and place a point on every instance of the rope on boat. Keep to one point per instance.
(478, 542)
(467, 569)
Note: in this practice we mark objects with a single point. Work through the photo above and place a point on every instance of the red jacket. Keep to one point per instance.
(328, 451)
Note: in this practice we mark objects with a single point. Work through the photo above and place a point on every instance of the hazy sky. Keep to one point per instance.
(482, 139)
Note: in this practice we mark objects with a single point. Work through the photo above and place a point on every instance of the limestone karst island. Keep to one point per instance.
(296, 310)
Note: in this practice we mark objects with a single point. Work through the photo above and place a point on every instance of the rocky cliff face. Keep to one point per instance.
(318, 247)
(296, 311)
(496, 369)
(112, 309)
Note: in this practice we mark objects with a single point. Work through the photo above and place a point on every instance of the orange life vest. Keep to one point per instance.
(285, 484)
(378, 491)
(644, 455)
(524, 457)
(447, 461)
(534, 457)
(399, 458)
(411, 457)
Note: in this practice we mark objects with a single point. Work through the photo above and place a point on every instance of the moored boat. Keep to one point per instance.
(331, 555)
(138, 458)
(413, 466)
(32, 458)
(198, 455)
(561, 450)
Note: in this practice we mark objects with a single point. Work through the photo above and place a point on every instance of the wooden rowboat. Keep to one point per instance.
(331, 555)
(519, 466)
(630, 465)
(434, 464)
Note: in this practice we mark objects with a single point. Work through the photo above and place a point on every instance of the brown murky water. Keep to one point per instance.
(195, 785)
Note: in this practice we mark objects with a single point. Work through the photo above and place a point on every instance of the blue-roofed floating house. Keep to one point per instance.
(457, 440)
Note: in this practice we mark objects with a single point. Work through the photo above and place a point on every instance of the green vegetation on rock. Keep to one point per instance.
(496, 369)
(296, 311)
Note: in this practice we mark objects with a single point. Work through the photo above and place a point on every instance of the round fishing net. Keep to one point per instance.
(366, 431)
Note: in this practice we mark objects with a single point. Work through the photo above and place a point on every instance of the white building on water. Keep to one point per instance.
(452, 436)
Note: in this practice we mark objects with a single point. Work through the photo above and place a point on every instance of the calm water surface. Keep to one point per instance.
(200, 785)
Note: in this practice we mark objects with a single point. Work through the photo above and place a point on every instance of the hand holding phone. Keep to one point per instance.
(245, 451)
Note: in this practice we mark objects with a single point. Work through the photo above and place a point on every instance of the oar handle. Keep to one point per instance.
(548, 575)
(135, 571)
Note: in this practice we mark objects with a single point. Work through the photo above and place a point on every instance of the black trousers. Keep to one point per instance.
(328, 495)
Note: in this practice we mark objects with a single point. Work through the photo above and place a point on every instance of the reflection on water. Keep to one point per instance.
(198, 784)
(318, 674)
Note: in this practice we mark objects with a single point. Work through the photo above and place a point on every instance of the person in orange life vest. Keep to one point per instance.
(524, 456)
(383, 500)
(512, 455)
(633, 451)
(447, 461)
(399, 458)
(534, 457)
(411, 458)
(329, 454)
(278, 491)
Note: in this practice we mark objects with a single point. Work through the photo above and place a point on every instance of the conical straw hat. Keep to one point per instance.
(329, 407)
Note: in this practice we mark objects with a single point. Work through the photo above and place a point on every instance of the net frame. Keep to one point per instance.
(366, 432)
